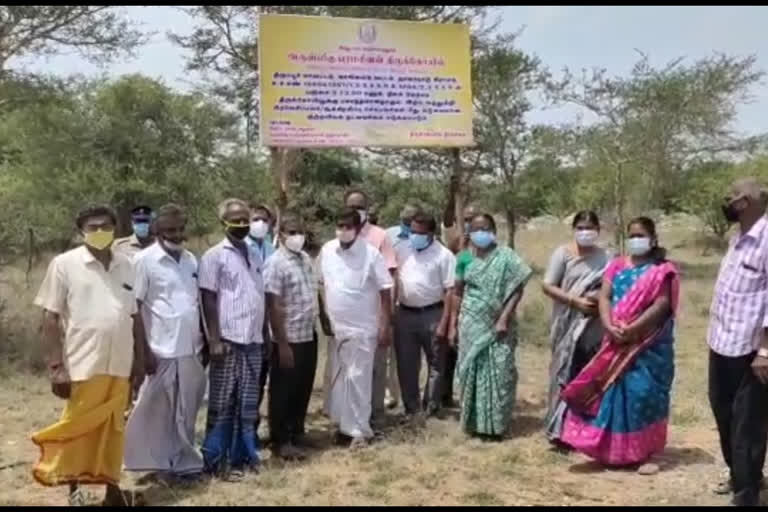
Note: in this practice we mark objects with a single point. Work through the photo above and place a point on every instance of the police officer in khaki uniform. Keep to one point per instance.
(141, 220)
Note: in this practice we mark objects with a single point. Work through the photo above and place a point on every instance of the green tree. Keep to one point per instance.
(503, 78)
(97, 32)
(122, 142)
(655, 123)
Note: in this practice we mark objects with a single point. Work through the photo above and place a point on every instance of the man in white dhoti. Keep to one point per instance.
(356, 282)
(160, 433)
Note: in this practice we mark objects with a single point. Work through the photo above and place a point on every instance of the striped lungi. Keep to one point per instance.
(233, 409)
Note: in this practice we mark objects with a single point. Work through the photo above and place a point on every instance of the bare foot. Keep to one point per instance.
(648, 469)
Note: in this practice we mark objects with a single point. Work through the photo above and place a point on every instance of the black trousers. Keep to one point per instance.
(451, 356)
(740, 405)
(290, 390)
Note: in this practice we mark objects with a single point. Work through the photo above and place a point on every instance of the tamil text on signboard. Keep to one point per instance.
(330, 82)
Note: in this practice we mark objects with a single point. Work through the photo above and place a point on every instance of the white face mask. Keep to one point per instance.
(294, 243)
(345, 235)
(586, 237)
(363, 216)
(638, 246)
(259, 229)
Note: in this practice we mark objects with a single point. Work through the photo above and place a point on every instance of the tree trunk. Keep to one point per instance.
(459, 197)
(511, 218)
(618, 201)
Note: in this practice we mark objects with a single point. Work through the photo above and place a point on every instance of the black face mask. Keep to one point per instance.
(239, 232)
(730, 213)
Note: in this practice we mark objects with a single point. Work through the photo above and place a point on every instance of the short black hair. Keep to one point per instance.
(263, 208)
(290, 217)
(658, 254)
(142, 210)
(349, 214)
(97, 210)
(488, 217)
(427, 219)
(588, 216)
(354, 191)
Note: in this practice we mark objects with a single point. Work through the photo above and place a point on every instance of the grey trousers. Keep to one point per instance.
(414, 334)
(384, 379)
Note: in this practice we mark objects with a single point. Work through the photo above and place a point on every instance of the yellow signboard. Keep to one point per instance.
(331, 82)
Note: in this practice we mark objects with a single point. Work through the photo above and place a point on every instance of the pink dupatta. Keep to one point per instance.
(583, 393)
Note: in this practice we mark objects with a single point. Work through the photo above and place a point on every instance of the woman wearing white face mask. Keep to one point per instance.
(618, 405)
(572, 281)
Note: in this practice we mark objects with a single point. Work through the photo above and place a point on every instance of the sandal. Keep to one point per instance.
(78, 498)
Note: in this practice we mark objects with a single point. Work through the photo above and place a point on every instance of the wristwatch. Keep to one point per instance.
(762, 352)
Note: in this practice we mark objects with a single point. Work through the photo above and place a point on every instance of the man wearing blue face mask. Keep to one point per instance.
(425, 283)
(142, 237)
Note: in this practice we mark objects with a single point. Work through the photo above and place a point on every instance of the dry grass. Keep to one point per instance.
(438, 465)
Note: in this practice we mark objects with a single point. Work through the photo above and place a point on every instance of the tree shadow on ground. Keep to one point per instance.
(673, 457)
(694, 270)
(157, 493)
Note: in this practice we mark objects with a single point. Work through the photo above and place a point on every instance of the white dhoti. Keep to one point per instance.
(160, 434)
(350, 387)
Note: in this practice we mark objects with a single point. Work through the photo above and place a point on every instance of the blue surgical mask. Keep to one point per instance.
(141, 229)
(419, 241)
(405, 230)
(482, 239)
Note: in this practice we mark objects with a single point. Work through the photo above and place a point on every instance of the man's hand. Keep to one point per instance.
(452, 337)
(385, 335)
(325, 323)
(61, 385)
(760, 369)
(150, 363)
(285, 355)
(138, 374)
(441, 333)
(218, 350)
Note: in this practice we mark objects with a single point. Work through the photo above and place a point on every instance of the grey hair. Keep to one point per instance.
(751, 188)
(170, 210)
(226, 204)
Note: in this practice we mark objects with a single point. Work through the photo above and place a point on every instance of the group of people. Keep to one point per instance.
(131, 326)
(612, 340)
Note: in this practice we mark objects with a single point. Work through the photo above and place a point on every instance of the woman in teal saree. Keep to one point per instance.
(487, 376)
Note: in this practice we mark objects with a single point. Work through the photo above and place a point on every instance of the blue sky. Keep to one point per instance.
(572, 36)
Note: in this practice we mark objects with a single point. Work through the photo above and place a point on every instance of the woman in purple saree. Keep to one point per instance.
(619, 403)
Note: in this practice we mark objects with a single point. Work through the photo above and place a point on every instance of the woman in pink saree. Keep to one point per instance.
(619, 403)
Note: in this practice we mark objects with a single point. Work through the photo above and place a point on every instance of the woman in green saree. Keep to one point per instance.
(486, 375)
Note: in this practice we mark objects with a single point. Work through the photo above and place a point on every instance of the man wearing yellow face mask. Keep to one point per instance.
(95, 344)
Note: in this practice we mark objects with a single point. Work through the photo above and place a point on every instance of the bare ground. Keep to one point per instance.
(439, 465)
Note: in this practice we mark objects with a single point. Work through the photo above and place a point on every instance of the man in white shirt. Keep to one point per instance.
(425, 281)
(160, 434)
(356, 283)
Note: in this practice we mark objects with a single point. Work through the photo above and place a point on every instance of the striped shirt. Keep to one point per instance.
(290, 277)
(239, 288)
(739, 311)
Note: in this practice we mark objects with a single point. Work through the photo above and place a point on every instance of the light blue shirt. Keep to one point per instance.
(262, 250)
(395, 235)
